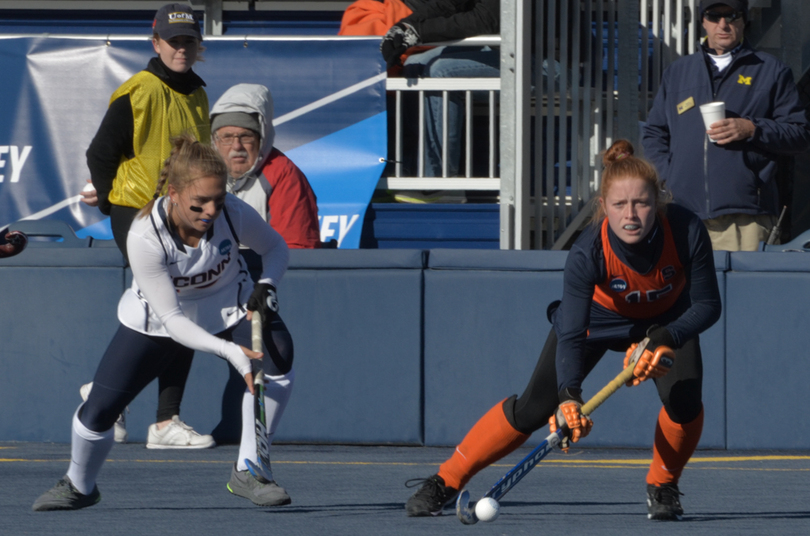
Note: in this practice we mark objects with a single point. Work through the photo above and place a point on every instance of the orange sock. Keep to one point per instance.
(489, 440)
(674, 445)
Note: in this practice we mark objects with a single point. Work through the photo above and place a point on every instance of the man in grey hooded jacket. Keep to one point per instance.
(261, 175)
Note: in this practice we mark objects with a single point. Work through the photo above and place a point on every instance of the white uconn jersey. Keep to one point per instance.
(210, 283)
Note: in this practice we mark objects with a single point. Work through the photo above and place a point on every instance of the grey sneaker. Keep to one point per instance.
(261, 491)
(120, 426)
(64, 496)
(177, 435)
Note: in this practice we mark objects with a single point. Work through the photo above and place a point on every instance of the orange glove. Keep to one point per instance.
(578, 424)
(650, 364)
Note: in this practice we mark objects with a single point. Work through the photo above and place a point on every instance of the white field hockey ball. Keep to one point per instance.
(487, 509)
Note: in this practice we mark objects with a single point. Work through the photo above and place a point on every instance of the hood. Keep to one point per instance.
(251, 99)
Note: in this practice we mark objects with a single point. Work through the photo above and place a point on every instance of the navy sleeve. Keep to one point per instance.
(112, 142)
(698, 260)
(786, 132)
(574, 315)
(656, 135)
(483, 18)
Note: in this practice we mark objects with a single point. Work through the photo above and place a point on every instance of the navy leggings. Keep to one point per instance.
(133, 360)
(680, 390)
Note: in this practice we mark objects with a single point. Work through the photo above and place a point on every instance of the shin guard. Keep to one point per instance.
(277, 391)
(674, 445)
(489, 440)
(88, 450)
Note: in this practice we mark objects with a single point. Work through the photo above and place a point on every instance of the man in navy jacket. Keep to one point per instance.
(731, 183)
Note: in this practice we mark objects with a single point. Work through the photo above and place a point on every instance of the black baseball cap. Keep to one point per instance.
(736, 5)
(176, 19)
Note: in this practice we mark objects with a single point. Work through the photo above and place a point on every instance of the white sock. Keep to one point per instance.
(277, 390)
(88, 450)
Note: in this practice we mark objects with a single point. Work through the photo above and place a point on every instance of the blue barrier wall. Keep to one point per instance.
(766, 350)
(404, 225)
(500, 299)
(57, 315)
(485, 324)
(403, 347)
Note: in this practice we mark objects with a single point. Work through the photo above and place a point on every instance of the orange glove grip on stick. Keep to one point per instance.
(650, 364)
(578, 424)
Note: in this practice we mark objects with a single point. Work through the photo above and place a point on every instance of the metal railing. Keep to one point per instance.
(445, 85)
(606, 57)
(613, 65)
(595, 75)
(398, 177)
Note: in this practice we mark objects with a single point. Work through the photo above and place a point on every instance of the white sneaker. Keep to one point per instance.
(120, 427)
(177, 435)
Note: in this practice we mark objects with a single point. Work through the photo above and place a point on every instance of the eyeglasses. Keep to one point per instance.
(714, 18)
(244, 139)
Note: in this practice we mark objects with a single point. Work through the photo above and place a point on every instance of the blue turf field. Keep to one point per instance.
(353, 490)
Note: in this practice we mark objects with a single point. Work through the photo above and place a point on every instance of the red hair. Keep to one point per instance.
(620, 163)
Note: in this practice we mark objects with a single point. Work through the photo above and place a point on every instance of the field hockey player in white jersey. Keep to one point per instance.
(190, 291)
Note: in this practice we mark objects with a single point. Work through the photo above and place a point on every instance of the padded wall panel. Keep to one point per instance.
(485, 325)
(508, 261)
(355, 317)
(357, 337)
(351, 259)
(766, 349)
(484, 331)
(56, 324)
(757, 261)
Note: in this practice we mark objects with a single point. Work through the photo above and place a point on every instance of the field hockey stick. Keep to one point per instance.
(262, 468)
(777, 229)
(466, 511)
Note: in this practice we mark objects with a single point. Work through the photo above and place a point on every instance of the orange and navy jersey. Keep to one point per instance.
(613, 292)
(635, 295)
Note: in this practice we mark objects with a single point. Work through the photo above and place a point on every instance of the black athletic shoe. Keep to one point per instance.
(431, 498)
(65, 496)
(663, 503)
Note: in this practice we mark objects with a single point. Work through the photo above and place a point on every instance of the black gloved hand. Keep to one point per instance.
(264, 299)
(399, 38)
(659, 336)
(15, 243)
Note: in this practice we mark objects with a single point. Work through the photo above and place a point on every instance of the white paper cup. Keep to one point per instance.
(712, 112)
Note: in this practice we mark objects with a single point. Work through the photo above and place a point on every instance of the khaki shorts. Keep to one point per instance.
(739, 232)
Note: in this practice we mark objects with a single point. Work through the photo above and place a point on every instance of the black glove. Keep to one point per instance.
(396, 41)
(659, 336)
(264, 299)
(15, 243)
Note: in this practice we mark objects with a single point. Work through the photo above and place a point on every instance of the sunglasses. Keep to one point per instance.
(714, 18)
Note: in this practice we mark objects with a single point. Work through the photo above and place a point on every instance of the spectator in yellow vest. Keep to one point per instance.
(157, 104)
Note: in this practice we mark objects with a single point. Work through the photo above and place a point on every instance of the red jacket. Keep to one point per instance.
(292, 205)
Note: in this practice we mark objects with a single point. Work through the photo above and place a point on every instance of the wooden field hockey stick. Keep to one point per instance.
(262, 468)
(465, 511)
